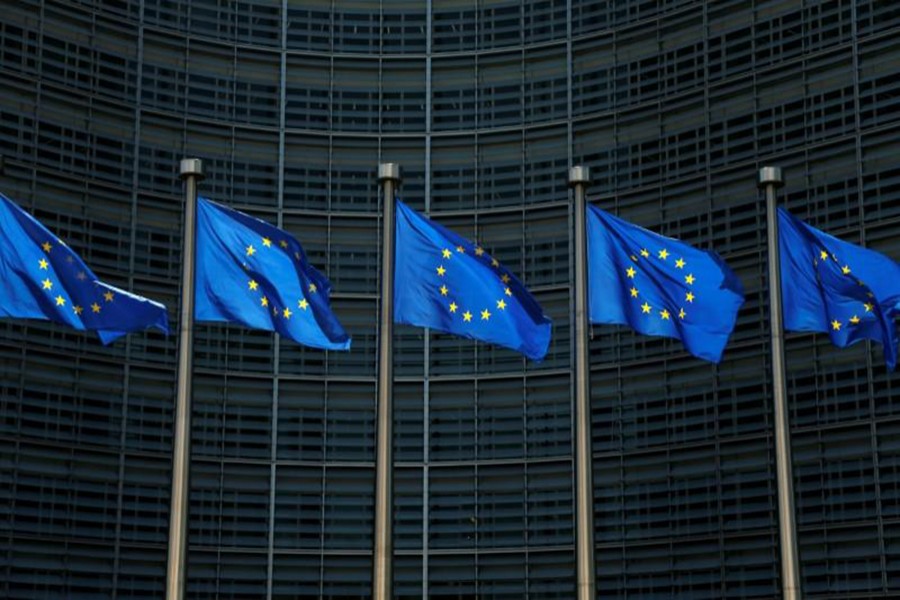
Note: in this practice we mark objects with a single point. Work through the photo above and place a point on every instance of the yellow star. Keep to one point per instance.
(494, 262)
(868, 307)
(444, 290)
(81, 276)
(823, 255)
(634, 292)
(78, 310)
(485, 315)
(108, 296)
(645, 308)
(46, 246)
(251, 250)
(95, 307)
(681, 313)
(275, 312)
(267, 242)
(43, 263)
(854, 319)
(505, 278)
(467, 316)
(501, 304)
(441, 270)
(664, 254)
(60, 301)
(836, 325)
(312, 288)
(303, 304)
(644, 252)
(845, 269)
(507, 291)
(664, 314)
(446, 253)
(630, 272)
(287, 313)
(460, 249)
(253, 285)
(264, 301)
(690, 279)
(479, 251)
(47, 284)
(297, 255)
(680, 263)
(633, 258)
(283, 243)
(689, 296)
(453, 307)
(70, 260)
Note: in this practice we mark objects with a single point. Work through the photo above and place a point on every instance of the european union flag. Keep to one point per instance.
(42, 278)
(659, 285)
(253, 273)
(443, 281)
(838, 288)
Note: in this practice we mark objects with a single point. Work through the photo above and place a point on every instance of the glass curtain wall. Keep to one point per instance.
(485, 103)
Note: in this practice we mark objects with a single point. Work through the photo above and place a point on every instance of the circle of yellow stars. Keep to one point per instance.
(467, 316)
(253, 286)
(867, 307)
(662, 313)
(59, 298)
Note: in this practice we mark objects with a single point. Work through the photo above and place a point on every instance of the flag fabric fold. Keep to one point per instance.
(252, 273)
(659, 285)
(42, 278)
(835, 287)
(445, 282)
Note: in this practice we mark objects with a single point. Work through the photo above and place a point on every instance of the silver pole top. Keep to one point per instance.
(388, 171)
(191, 166)
(579, 174)
(770, 176)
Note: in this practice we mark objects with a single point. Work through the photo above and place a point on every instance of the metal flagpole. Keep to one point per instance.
(770, 178)
(382, 582)
(579, 178)
(191, 173)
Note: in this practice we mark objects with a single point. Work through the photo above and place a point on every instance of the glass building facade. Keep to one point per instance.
(485, 103)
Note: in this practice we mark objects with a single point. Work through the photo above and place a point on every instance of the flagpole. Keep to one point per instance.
(770, 178)
(579, 178)
(382, 580)
(191, 173)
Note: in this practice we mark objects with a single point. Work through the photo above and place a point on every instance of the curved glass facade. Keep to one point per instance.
(485, 104)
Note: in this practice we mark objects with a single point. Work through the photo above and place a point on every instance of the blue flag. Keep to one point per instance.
(659, 286)
(838, 288)
(253, 273)
(443, 281)
(42, 278)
